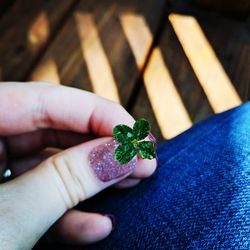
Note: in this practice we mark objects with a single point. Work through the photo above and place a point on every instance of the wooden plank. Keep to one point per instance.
(95, 58)
(170, 101)
(169, 110)
(143, 108)
(165, 100)
(139, 36)
(25, 29)
(229, 38)
(185, 80)
(180, 86)
(208, 69)
(92, 52)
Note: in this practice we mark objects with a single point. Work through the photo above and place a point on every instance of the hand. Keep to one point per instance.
(47, 132)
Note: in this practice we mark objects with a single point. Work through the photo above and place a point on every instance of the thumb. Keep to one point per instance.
(38, 198)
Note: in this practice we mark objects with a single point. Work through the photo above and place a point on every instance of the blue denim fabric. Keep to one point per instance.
(199, 197)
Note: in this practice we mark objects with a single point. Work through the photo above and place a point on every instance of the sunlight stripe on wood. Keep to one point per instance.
(168, 107)
(98, 66)
(139, 35)
(215, 82)
(46, 72)
(169, 110)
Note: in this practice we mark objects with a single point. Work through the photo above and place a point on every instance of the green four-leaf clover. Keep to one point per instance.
(131, 143)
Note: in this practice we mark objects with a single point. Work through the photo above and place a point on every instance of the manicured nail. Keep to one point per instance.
(105, 167)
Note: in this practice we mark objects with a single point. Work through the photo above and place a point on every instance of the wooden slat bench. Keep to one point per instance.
(168, 61)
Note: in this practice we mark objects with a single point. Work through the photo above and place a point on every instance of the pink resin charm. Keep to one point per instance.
(105, 167)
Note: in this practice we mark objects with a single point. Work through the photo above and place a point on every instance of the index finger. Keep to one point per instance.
(27, 107)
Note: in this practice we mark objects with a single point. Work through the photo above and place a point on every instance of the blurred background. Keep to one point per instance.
(173, 62)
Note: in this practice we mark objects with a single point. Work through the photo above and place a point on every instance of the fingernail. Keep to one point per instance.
(112, 218)
(105, 167)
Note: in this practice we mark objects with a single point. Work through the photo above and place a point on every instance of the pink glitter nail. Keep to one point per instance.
(105, 167)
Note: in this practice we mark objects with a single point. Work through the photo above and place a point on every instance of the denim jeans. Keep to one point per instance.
(199, 197)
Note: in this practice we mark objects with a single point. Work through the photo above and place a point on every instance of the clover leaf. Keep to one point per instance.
(125, 153)
(146, 150)
(131, 142)
(141, 129)
(123, 133)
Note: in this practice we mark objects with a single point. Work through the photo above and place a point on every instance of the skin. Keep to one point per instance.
(46, 133)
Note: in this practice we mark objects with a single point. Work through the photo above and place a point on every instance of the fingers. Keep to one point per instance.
(28, 143)
(43, 195)
(38, 105)
(127, 183)
(144, 168)
(77, 227)
(42, 105)
(31, 142)
(23, 165)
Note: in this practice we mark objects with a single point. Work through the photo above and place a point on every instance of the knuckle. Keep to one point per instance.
(71, 179)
